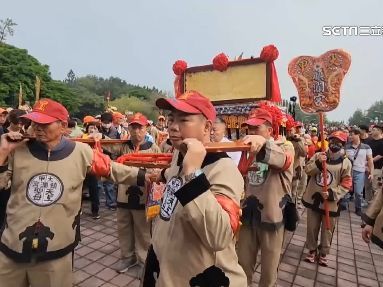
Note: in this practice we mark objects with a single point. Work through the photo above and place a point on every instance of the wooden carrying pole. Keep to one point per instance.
(318, 81)
(37, 88)
(210, 147)
(160, 160)
(324, 171)
(20, 96)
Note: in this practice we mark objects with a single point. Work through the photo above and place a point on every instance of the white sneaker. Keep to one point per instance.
(126, 264)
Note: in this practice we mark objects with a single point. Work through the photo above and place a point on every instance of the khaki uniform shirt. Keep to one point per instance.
(43, 211)
(374, 217)
(193, 238)
(339, 182)
(134, 197)
(300, 154)
(269, 186)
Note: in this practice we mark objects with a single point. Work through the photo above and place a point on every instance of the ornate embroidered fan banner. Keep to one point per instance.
(318, 79)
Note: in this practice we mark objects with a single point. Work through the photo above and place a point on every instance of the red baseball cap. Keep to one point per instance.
(190, 102)
(89, 119)
(298, 124)
(118, 115)
(342, 136)
(258, 118)
(140, 119)
(47, 111)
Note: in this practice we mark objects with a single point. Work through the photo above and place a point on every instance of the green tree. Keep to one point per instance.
(335, 123)
(89, 103)
(358, 118)
(134, 104)
(91, 91)
(82, 96)
(305, 117)
(56, 90)
(70, 78)
(116, 86)
(18, 67)
(375, 112)
(299, 114)
(6, 29)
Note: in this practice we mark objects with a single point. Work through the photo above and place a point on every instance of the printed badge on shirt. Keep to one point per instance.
(258, 177)
(170, 201)
(44, 189)
(319, 179)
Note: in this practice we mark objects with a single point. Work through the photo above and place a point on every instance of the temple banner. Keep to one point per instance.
(243, 81)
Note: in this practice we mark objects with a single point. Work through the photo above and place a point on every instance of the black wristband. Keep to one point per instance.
(319, 165)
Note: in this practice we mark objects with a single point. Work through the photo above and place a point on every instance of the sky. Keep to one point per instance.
(139, 40)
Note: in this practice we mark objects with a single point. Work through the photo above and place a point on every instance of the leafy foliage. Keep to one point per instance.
(134, 104)
(306, 118)
(18, 67)
(300, 115)
(81, 95)
(71, 77)
(92, 92)
(373, 114)
(6, 29)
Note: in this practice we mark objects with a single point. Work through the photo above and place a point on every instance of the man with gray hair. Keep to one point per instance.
(46, 175)
(219, 135)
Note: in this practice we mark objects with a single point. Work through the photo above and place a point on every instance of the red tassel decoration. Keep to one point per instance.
(269, 54)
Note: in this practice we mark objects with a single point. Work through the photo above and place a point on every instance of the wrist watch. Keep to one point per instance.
(191, 176)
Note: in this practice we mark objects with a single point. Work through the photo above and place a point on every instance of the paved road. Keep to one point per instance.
(351, 262)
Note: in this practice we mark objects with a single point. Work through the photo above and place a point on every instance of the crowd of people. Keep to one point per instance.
(221, 209)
